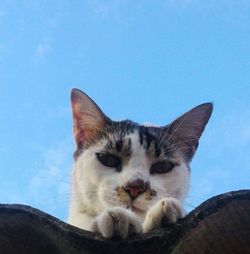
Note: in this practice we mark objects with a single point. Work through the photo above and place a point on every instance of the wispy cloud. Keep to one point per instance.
(233, 130)
(225, 148)
(43, 49)
(2, 13)
(119, 10)
(57, 112)
(205, 185)
(100, 8)
(49, 187)
(5, 52)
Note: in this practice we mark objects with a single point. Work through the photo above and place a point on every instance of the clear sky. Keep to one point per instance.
(148, 61)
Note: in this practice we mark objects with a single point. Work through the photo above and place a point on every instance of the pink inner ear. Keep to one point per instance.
(83, 136)
(85, 127)
(87, 116)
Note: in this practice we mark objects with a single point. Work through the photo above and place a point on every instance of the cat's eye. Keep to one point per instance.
(161, 167)
(109, 160)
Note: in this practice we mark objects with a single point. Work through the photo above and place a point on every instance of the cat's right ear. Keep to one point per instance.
(88, 118)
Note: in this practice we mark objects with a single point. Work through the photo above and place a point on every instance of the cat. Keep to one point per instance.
(129, 178)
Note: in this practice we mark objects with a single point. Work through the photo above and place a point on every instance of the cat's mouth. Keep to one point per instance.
(136, 209)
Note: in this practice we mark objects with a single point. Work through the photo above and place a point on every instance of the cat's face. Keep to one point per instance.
(130, 165)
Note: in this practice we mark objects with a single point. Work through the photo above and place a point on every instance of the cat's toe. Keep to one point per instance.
(172, 211)
(166, 211)
(116, 222)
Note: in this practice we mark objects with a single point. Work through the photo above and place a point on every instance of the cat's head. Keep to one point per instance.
(123, 163)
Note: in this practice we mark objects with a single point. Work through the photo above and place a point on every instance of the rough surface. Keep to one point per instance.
(219, 225)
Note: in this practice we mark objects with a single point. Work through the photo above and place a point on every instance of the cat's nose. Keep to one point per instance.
(135, 188)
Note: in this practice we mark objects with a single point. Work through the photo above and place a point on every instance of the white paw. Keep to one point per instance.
(166, 211)
(116, 222)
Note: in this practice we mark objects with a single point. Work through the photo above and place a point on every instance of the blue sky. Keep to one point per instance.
(149, 61)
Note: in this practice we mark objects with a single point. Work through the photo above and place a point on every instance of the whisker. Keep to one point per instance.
(164, 135)
(179, 125)
(184, 141)
(179, 149)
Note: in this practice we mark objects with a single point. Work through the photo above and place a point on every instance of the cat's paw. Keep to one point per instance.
(166, 211)
(116, 222)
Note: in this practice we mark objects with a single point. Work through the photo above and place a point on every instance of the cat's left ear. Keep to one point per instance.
(186, 130)
(87, 117)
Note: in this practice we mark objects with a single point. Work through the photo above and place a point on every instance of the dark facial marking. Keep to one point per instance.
(157, 150)
(150, 139)
(127, 149)
(141, 136)
(144, 137)
(109, 146)
(119, 145)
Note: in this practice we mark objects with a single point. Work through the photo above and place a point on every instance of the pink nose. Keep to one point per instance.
(135, 188)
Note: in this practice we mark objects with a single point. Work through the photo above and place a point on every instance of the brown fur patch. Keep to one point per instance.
(122, 195)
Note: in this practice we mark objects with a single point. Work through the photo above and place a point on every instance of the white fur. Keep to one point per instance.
(95, 205)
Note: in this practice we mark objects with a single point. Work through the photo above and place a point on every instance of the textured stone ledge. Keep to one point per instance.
(219, 225)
